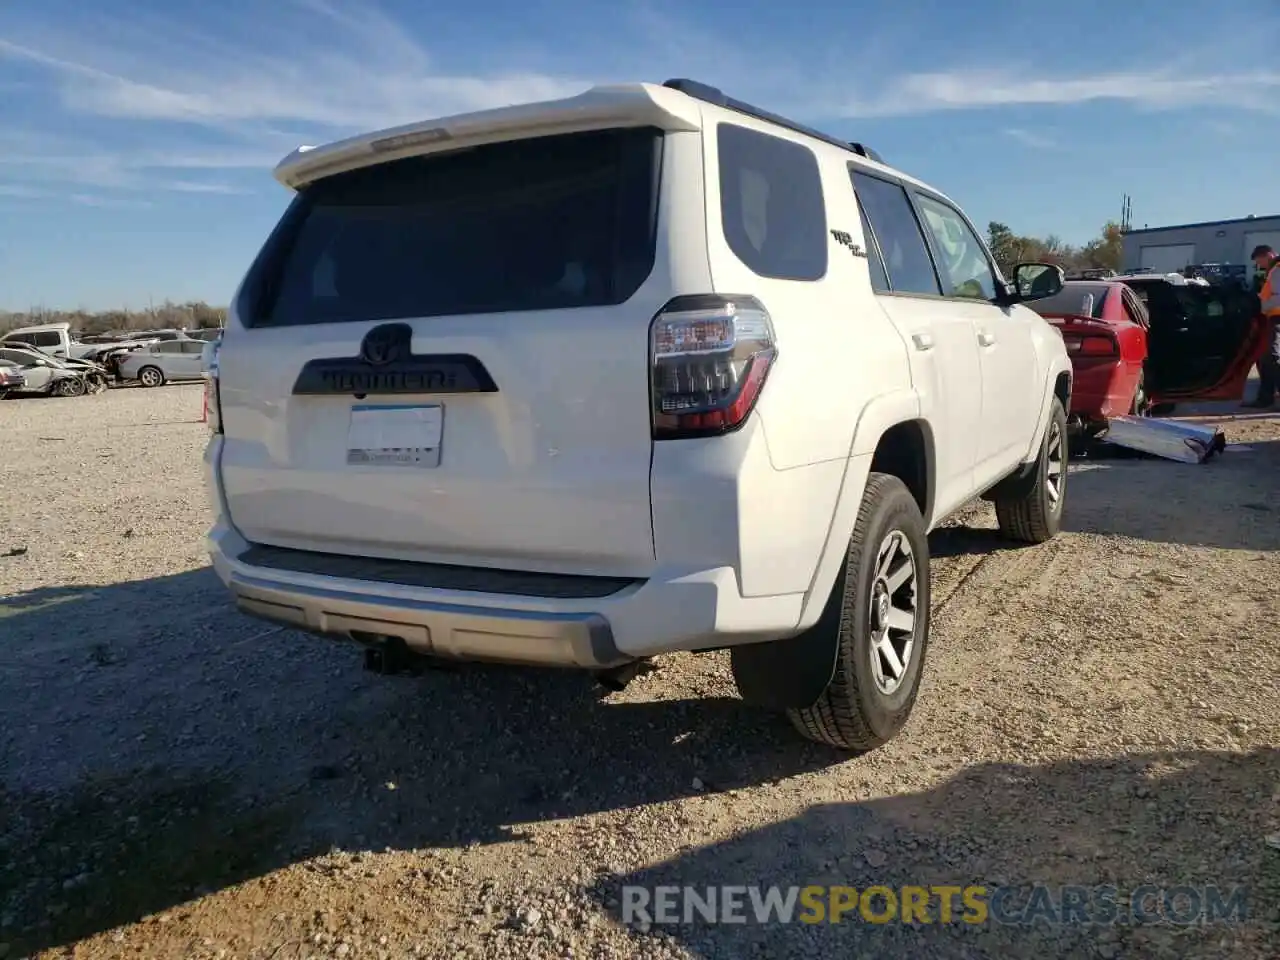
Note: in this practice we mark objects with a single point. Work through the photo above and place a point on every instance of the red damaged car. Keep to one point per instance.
(1141, 344)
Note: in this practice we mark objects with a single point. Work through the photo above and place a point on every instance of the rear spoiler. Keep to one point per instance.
(625, 105)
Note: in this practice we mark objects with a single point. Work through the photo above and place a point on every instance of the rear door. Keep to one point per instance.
(168, 356)
(1010, 385)
(1203, 341)
(943, 345)
(192, 362)
(445, 358)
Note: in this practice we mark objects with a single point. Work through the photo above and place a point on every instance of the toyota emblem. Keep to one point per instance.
(386, 344)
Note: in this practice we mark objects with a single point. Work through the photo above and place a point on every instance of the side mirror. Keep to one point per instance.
(1037, 280)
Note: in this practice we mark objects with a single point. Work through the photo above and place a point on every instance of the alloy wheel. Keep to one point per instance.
(1055, 465)
(893, 612)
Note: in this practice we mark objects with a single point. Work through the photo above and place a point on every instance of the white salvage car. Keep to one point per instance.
(582, 382)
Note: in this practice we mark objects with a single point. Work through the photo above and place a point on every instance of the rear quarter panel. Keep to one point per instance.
(1053, 362)
(836, 348)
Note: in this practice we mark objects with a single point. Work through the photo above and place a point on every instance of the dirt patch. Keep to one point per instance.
(182, 781)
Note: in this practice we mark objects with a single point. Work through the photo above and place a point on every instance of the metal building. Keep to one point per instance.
(1169, 249)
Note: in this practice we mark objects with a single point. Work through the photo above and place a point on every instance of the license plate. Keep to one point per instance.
(395, 435)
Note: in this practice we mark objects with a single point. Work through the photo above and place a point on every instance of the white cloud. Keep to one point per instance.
(174, 101)
(172, 108)
(20, 191)
(195, 186)
(367, 72)
(96, 200)
(118, 171)
(1029, 138)
(974, 89)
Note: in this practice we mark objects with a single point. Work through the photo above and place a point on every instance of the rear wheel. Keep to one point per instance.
(877, 618)
(151, 376)
(1037, 516)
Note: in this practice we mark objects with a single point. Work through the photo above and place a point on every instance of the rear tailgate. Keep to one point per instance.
(499, 300)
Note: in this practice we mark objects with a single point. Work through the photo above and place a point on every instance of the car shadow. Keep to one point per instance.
(1179, 819)
(156, 745)
(967, 540)
(1229, 502)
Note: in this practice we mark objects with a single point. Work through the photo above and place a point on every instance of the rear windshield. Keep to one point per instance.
(541, 224)
(1083, 300)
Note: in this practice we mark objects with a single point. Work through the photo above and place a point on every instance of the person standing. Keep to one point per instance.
(1265, 259)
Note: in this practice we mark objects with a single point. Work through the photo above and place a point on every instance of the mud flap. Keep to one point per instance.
(1162, 438)
(792, 673)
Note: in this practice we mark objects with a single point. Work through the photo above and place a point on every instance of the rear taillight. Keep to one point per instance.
(1089, 346)
(709, 357)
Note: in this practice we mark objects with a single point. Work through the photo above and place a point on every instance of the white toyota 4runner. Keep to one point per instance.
(644, 370)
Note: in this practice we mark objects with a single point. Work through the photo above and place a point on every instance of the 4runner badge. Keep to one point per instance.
(845, 240)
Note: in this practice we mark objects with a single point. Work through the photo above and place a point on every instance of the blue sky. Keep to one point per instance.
(137, 136)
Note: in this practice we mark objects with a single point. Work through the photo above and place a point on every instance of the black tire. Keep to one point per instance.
(1037, 516)
(153, 374)
(1141, 406)
(854, 712)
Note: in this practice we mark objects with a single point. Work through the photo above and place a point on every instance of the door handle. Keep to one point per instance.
(923, 341)
(986, 339)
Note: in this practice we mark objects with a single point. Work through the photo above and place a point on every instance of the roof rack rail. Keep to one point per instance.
(716, 96)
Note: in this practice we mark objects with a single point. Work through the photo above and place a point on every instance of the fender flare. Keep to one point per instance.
(792, 672)
(1057, 368)
(875, 419)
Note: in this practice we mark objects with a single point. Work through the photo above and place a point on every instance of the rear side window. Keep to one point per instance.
(1134, 310)
(540, 224)
(897, 231)
(43, 338)
(771, 205)
(879, 279)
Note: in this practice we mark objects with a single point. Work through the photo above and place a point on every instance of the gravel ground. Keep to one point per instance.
(181, 781)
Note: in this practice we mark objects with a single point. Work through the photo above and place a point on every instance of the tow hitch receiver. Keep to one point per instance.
(390, 656)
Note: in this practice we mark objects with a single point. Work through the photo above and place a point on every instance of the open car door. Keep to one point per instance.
(1203, 341)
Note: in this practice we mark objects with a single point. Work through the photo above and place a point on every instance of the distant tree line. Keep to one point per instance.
(1106, 252)
(191, 315)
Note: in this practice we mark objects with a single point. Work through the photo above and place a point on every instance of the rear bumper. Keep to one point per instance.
(1101, 391)
(673, 611)
(441, 629)
(697, 607)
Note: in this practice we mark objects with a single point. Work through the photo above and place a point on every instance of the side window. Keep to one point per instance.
(192, 346)
(875, 263)
(771, 204)
(1134, 311)
(962, 261)
(897, 232)
(168, 346)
